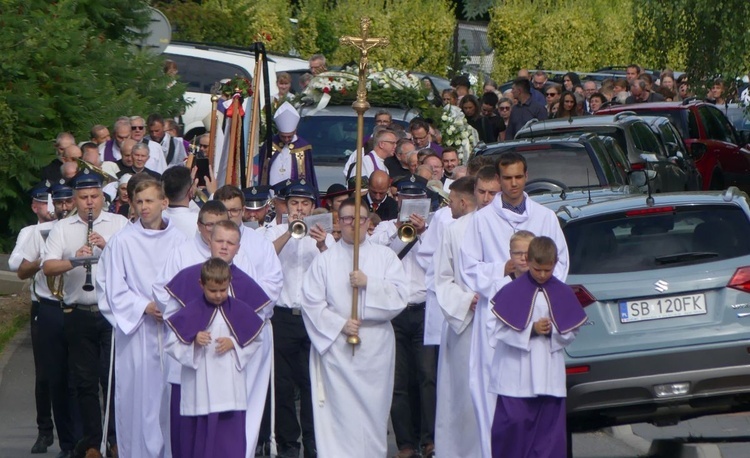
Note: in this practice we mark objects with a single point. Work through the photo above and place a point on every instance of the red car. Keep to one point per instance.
(712, 140)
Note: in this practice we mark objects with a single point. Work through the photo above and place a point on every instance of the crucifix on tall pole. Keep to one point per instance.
(364, 43)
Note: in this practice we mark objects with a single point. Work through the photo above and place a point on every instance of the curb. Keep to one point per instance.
(625, 434)
(11, 348)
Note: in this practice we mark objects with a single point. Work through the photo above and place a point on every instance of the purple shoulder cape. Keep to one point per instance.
(198, 314)
(185, 287)
(514, 303)
(109, 154)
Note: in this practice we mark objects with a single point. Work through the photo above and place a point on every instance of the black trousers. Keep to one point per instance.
(41, 380)
(413, 411)
(54, 359)
(292, 369)
(89, 338)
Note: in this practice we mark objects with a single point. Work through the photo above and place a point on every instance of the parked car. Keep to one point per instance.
(564, 163)
(201, 66)
(676, 149)
(332, 132)
(644, 150)
(721, 156)
(666, 287)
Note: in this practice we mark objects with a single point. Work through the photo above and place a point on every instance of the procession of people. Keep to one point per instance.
(172, 320)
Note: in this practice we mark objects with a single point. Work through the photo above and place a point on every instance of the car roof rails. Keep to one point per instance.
(730, 193)
(571, 210)
(624, 114)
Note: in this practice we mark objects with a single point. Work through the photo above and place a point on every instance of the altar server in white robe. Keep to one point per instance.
(484, 258)
(456, 429)
(433, 318)
(352, 391)
(128, 267)
(262, 257)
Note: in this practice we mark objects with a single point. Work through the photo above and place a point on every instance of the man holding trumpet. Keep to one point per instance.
(297, 247)
(87, 332)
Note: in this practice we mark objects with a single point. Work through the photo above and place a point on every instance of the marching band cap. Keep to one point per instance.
(412, 185)
(286, 118)
(86, 179)
(40, 191)
(61, 190)
(300, 188)
(280, 188)
(256, 197)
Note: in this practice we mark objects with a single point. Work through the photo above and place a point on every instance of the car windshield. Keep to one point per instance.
(571, 165)
(656, 238)
(333, 138)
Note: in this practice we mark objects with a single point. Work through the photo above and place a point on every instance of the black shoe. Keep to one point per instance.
(292, 452)
(42, 442)
(263, 449)
(65, 454)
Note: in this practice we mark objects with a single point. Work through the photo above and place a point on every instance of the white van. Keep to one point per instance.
(200, 66)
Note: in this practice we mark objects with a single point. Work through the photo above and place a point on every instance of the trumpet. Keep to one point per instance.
(88, 285)
(56, 284)
(407, 233)
(298, 228)
(437, 187)
(98, 170)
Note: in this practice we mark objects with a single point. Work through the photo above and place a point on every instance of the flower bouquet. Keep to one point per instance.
(237, 83)
(454, 128)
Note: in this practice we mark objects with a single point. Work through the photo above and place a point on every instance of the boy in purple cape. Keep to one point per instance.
(213, 336)
(535, 317)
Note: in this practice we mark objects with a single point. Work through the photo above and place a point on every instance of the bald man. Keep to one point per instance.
(378, 199)
(71, 153)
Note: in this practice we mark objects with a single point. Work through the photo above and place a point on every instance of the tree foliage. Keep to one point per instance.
(237, 23)
(423, 45)
(559, 35)
(62, 72)
(708, 38)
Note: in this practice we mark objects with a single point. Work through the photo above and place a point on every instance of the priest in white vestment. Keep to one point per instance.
(485, 252)
(352, 392)
(129, 264)
(456, 429)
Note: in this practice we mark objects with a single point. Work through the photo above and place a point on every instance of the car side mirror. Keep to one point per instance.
(697, 150)
(641, 177)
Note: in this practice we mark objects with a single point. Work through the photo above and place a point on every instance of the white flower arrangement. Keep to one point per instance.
(386, 86)
(457, 132)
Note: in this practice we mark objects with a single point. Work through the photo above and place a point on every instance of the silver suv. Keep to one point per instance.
(666, 288)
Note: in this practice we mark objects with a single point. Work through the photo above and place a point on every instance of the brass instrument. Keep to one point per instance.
(437, 187)
(297, 228)
(407, 233)
(82, 165)
(88, 285)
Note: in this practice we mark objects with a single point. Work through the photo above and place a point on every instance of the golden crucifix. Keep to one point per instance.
(364, 43)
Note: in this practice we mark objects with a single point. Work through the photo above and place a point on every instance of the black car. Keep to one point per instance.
(644, 149)
(565, 163)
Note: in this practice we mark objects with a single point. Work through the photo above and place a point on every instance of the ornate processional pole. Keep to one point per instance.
(364, 43)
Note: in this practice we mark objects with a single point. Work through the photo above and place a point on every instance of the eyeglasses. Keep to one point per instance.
(504, 108)
(348, 220)
(234, 211)
(388, 141)
(551, 94)
(203, 146)
(208, 226)
(419, 139)
(137, 127)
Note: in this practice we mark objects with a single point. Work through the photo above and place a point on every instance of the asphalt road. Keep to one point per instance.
(727, 434)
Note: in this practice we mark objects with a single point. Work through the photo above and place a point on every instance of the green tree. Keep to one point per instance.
(62, 72)
(708, 37)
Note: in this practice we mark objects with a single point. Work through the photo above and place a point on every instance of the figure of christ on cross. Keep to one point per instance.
(364, 43)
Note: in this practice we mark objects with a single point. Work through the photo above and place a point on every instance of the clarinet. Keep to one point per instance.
(88, 285)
